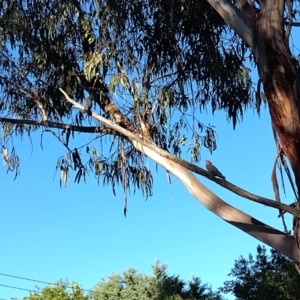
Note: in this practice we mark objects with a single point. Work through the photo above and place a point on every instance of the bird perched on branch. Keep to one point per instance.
(87, 106)
(213, 170)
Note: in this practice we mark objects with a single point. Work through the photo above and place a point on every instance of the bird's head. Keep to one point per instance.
(207, 162)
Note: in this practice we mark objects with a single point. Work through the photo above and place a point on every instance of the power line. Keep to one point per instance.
(40, 281)
(24, 278)
(35, 291)
(45, 282)
(18, 288)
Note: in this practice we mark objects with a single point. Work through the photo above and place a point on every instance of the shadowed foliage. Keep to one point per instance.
(265, 276)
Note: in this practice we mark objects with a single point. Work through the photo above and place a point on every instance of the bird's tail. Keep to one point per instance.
(222, 176)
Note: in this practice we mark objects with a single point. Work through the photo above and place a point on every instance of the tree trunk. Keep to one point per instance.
(263, 31)
(280, 81)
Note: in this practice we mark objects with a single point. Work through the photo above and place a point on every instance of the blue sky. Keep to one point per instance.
(79, 232)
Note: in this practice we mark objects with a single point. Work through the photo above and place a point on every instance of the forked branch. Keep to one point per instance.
(205, 196)
(271, 236)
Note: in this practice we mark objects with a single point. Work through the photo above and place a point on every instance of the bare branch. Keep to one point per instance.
(102, 129)
(295, 24)
(239, 191)
(59, 139)
(82, 129)
(40, 105)
(235, 19)
(266, 234)
(139, 139)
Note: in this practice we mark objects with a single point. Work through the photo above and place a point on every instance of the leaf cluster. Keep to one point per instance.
(153, 65)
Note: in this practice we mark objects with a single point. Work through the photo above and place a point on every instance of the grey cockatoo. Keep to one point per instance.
(213, 170)
(87, 106)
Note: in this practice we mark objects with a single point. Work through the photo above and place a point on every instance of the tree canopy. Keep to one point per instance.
(151, 68)
(60, 290)
(133, 285)
(263, 277)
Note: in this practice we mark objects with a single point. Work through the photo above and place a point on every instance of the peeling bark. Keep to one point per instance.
(280, 80)
(266, 36)
(235, 19)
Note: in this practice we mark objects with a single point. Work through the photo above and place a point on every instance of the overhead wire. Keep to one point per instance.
(19, 288)
(40, 281)
(45, 282)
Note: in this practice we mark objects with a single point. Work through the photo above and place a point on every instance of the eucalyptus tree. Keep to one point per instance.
(149, 68)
